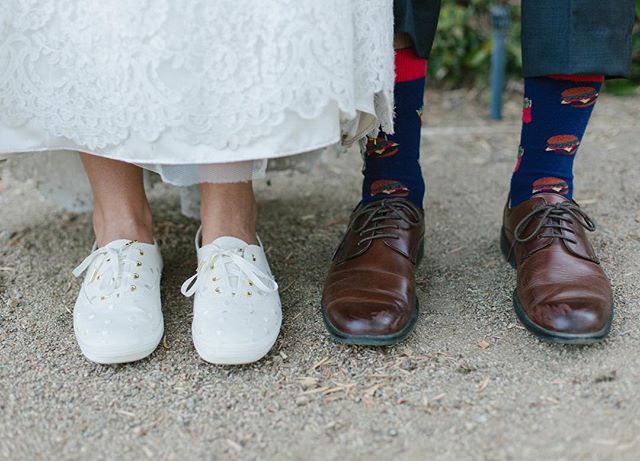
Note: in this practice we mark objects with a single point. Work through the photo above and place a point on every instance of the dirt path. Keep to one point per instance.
(469, 384)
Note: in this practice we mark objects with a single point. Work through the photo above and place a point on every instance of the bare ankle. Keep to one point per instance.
(228, 210)
(124, 224)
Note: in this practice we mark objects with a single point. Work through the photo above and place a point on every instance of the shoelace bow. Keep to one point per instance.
(109, 260)
(372, 227)
(555, 217)
(232, 264)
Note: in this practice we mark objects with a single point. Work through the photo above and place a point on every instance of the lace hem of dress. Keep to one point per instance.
(153, 74)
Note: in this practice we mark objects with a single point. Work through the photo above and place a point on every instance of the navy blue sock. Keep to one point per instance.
(391, 163)
(555, 116)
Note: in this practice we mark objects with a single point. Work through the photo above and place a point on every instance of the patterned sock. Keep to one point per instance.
(391, 163)
(556, 112)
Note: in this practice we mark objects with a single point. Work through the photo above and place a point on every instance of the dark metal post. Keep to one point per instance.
(500, 21)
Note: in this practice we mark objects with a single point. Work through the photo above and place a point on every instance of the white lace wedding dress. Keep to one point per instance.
(195, 90)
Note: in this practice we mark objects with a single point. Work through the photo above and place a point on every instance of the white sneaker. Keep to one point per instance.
(118, 315)
(236, 311)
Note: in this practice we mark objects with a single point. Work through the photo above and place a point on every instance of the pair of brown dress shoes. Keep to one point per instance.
(562, 293)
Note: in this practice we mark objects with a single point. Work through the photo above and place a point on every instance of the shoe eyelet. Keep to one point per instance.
(141, 253)
(136, 276)
(133, 288)
(214, 279)
(250, 283)
(218, 290)
(212, 267)
(253, 257)
(139, 263)
(248, 293)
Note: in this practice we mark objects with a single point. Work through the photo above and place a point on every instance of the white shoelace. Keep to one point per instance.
(231, 264)
(109, 260)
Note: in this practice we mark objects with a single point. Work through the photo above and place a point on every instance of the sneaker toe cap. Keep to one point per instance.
(237, 326)
(124, 330)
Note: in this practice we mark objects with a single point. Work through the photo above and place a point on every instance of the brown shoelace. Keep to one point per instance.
(553, 220)
(382, 216)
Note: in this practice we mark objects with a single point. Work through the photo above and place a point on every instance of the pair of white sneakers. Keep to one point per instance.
(118, 314)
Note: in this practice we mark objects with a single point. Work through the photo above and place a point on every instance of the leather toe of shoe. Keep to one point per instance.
(358, 319)
(572, 318)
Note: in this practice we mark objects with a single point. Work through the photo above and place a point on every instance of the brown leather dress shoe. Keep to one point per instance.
(563, 295)
(370, 294)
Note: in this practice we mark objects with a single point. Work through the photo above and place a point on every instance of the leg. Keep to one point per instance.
(121, 209)
(392, 162)
(236, 311)
(562, 293)
(418, 19)
(402, 40)
(577, 37)
(370, 296)
(118, 315)
(555, 117)
(228, 209)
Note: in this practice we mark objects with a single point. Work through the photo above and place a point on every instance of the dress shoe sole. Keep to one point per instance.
(540, 332)
(373, 340)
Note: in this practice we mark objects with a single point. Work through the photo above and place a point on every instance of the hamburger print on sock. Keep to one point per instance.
(391, 162)
(555, 115)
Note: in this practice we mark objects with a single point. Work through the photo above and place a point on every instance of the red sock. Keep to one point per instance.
(409, 66)
(578, 78)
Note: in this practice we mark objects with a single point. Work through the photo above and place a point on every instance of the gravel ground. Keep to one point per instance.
(469, 384)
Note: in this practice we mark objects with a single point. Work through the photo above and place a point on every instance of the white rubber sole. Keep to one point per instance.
(233, 354)
(106, 357)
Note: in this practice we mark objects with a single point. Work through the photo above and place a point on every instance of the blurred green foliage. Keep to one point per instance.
(462, 50)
